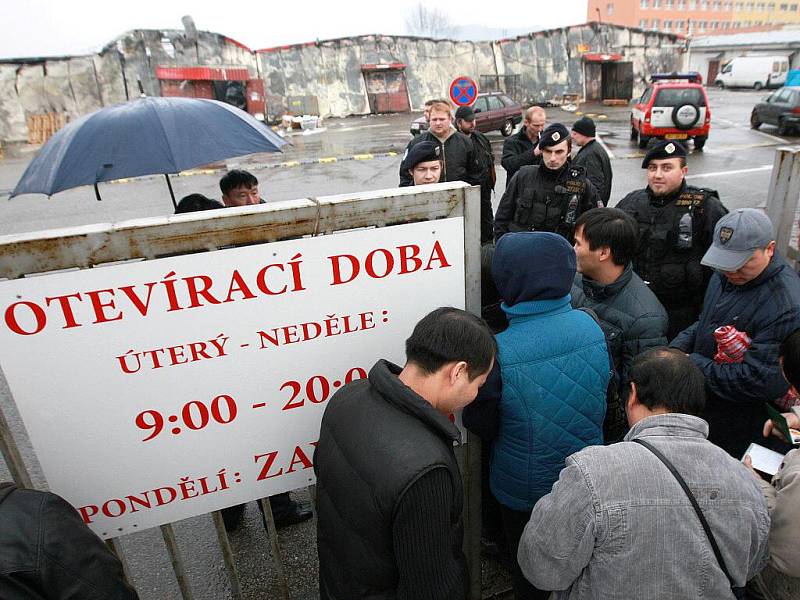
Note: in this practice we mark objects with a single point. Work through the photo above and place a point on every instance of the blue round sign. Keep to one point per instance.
(463, 91)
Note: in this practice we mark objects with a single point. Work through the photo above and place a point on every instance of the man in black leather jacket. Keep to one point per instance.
(47, 551)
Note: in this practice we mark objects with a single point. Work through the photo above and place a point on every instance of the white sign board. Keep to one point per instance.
(158, 390)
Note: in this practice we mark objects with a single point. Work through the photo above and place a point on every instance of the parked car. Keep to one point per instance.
(754, 72)
(674, 106)
(494, 111)
(781, 108)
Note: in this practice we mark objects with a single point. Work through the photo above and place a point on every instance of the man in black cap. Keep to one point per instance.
(550, 196)
(423, 163)
(521, 149)
(465, 123)
(592, 157)
(458, 155)
(676, 223)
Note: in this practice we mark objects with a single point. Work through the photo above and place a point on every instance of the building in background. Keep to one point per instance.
(695, 17)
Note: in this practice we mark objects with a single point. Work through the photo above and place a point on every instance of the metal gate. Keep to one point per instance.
(387, 91)
(89, 247)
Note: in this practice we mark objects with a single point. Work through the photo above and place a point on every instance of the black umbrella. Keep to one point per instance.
(144, 137)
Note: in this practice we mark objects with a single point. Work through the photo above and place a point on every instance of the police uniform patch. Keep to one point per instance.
(556, 136)
(725, 234)
(669, 148)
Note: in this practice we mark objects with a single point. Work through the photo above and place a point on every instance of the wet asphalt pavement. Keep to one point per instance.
(348, 155)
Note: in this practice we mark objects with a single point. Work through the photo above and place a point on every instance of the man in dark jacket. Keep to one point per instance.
(631, 316)
(521, 149)
(47, 551)
(676, 222)
(459, 162)
(592, 157)
(389, 495)
(754, 291)
(465, 123)
(547, 197)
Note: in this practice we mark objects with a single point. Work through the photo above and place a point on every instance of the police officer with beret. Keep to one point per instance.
(465, 123)
(676, 226)
(423, 164)
(550, 196)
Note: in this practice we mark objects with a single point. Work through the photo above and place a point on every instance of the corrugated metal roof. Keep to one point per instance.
(783, 37)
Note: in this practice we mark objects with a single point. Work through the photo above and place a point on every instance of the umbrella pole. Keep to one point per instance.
(97, 192)
(171, 193)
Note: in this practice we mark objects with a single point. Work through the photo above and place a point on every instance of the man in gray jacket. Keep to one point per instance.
(617, 525)
(631, 316)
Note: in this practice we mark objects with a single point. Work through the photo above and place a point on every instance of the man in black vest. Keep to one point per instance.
(550, 196)
(389, 495)
(676, 223)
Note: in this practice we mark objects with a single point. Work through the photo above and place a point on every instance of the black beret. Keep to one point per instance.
(585, 126)
(421, 152)
(554, 134)
(664, 149)
(466, 113)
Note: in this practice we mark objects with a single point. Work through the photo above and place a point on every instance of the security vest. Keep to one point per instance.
(672, 240)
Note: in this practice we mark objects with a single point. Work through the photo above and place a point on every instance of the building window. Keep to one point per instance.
(642, 23)
(784, 7)
(656, 3)
(793, 7)
(667, 24)
(717, 6)
(681, 4)
(714, 25)
(655, 24)
(703, 4)
(738, 6)
(750, 6)
(729, 6)
(760, 7)
(643, 4)
(610, 8)
(771, 7)
(668, 4)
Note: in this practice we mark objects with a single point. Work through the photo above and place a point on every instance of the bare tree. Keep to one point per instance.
(429, 22)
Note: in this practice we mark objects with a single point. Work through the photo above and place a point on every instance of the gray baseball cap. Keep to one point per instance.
(736, 238)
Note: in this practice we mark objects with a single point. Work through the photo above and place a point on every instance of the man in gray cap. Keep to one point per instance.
(592, 157)
(550, 196)
(465, 123)
(676, 222)
(754, 292)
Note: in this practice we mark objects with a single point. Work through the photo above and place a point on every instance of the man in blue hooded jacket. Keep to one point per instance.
(546, 396)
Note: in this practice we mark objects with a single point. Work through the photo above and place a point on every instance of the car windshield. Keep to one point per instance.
(679, 97)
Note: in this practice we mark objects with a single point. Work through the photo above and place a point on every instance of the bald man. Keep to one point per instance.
(520, 149)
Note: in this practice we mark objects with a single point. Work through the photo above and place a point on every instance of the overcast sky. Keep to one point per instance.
(56, 27)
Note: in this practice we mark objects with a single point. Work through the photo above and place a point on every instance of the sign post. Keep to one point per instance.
(463, 91)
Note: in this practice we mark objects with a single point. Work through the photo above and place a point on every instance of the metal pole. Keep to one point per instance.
(171, 193)
(8, 446)
(168, 533)
(782, 198)
(227, 555)
(277, 559)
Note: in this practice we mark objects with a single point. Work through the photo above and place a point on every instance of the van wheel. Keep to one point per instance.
(783, 128)
(755, 123)
(720, 85)
(758, 85)
(507, 129)
(699, 142)
(634, 133)
(643, 140)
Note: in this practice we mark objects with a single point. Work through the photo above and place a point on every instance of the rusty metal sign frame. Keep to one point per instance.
(93, 246)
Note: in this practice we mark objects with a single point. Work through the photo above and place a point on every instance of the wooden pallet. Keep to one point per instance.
(42, 127)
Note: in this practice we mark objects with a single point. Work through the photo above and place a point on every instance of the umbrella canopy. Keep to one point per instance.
(144, 137)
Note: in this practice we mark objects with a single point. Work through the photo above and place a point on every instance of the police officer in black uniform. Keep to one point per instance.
(550, 196)
(676, 226)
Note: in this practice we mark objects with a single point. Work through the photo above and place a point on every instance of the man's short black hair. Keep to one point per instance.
(790, 352)
(449, 335)
(237, 178)
(613, 228)
(666, 378)
(195, 202)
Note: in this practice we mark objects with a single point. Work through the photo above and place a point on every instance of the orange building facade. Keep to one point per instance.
(695, 17)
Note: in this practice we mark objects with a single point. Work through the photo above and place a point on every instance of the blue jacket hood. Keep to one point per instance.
(533, 265)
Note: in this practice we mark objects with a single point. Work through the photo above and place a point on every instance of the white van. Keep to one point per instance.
(754, 71)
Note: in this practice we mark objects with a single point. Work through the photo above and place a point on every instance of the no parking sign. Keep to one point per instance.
(463, 91)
